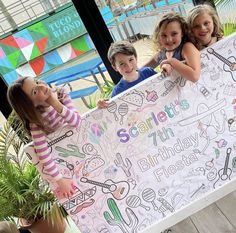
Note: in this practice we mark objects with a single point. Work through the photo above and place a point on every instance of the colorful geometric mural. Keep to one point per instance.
(51, 60)
(29, 46)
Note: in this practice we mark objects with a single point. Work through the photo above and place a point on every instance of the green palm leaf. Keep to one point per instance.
(222, 2)
(22, 191)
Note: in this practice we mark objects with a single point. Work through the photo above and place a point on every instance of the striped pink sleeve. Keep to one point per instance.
(69, 113)
(43, 152)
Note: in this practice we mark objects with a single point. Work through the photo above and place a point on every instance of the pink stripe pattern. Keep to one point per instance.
(69, 115)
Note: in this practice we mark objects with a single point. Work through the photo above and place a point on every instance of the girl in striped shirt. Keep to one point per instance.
(43, 110)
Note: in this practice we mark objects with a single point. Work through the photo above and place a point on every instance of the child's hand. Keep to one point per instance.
(53, 100)
(51, 96)
(60, 93)
(102, 104)
(234, 101)
(66, 187)
(166, 68)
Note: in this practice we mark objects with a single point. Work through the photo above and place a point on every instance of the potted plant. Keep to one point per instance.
(23, 194)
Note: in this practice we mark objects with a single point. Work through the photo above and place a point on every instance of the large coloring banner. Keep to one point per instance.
(157, 148)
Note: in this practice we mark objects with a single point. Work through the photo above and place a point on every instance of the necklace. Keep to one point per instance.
(171, 50)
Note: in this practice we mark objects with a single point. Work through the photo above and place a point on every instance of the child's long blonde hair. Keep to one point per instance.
(8, 227)
(205, 8)
(166, 19)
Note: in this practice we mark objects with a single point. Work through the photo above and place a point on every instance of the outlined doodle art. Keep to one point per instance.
(210, 128)
(89, 149)
(112, 108)
(110, 172)
(119, 189)
(171, 150)
(66, 169)
(232, 124)
(79, 197)
(234, 162)
(132, 118)
(225, 172)
(212, 174)
(103, 229)
(134, 98)
(205, 91)
(56, 140)
(92, 164)
(98, 114)
(165, 205)
(151, 96)
(200, 188)
(116, 219)
(31, 154)
(208, 125)
(182, 82)
(124, 164)
(229, 63)
(221, 143)
(163, 191)
(169, 85)
(123, 110)
(82, 131)
(208, 110)
(201, 170)
(230, 89)
(82, 206)
(234, 43)
(204, 57)
(176, 199)
(149, 195)
(134, 201)
(72, 150)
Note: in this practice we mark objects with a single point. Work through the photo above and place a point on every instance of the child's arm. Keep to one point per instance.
(64, 106)
(43, 152)
(152, 62)
(190, 70)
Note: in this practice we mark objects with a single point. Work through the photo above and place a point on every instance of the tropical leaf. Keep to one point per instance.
(107, 90)
(222, 2)
(22, 191)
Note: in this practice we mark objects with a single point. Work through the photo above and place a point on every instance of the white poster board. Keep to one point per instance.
(158, 149)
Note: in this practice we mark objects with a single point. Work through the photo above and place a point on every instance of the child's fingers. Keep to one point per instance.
(66, 195)
(69, 194)
(163, 63)
(102, 104)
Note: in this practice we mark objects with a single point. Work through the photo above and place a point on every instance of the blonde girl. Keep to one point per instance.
(205, 26)
(175, 51)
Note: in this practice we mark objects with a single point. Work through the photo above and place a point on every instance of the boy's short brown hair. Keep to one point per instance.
(123, 47)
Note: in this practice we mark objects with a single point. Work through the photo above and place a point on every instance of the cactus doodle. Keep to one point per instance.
(73, 152)
(118, 219)
(125, 165)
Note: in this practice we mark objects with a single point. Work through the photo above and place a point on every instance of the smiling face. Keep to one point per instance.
(126, 65)
(170, 35)
(37, 91)
(203, 27)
